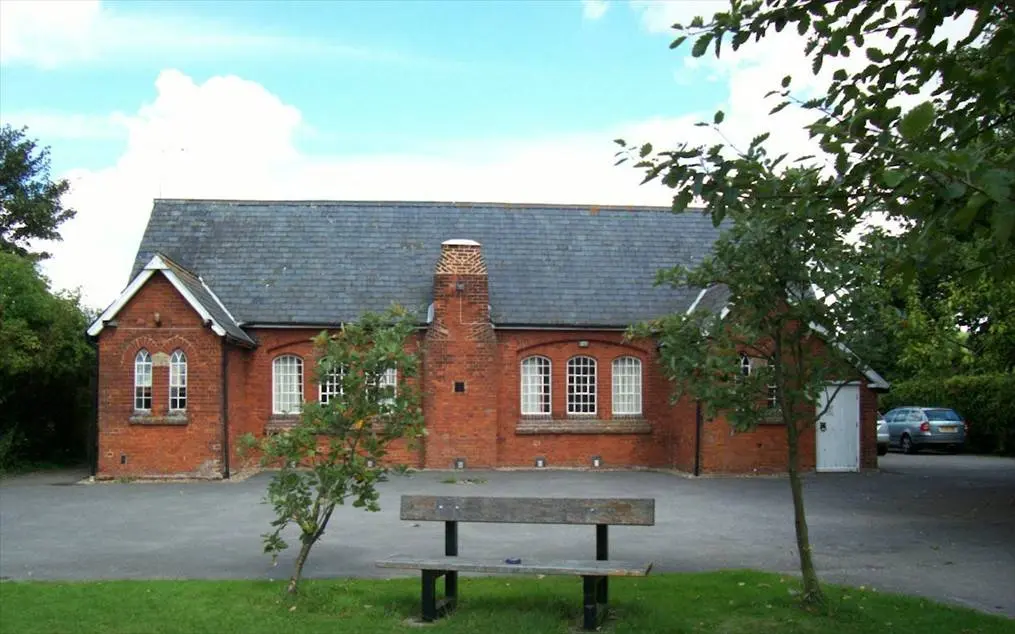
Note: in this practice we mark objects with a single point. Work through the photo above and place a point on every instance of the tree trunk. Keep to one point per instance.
(294, 581)
(812, 594)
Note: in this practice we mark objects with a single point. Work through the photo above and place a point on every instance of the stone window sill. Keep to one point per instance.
(773, 417)
(282, 422)
(529, 426)
(145, 418)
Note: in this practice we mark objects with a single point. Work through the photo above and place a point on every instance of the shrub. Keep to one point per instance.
(986, 402)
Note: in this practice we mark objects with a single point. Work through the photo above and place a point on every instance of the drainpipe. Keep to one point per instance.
(697, 437)
(93, 432)
(225, 410)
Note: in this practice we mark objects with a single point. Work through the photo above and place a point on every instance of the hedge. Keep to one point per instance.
(986, 402)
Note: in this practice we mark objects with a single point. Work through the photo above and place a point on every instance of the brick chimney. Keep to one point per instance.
(461, 365)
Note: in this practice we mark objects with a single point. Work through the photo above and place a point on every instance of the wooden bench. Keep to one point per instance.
(595, 573)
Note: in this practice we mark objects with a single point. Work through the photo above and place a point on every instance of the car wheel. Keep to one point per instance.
(907, 445)
(882, 450)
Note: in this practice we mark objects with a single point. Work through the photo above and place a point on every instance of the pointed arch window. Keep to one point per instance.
(178, 381)
(143, 381)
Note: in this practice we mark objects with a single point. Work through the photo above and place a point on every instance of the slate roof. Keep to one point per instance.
(206, 297)
(309, 262)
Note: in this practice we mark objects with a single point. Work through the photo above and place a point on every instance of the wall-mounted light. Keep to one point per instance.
(583, 344)
(540, 462)
(597, 461)
(459, 463)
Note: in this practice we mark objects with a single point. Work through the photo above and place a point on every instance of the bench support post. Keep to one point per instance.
(592, 617)
(603, 554)
(429, 578)
(451, 576)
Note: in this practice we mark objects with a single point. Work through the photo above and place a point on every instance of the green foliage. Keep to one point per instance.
(30, 205)
(952, 318)
(986, 402)
(730, 602)
(335, 452)
(46, 367)
(945, 167)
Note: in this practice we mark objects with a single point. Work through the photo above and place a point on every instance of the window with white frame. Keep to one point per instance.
(143, 381)
(388, 379)
(747, 366)
(581, 386)
(178, 381)
(627, 386)
(331, 385)
(536, 386)
(287, 384)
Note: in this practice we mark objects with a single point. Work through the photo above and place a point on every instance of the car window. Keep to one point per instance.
(942, 414)
(914, 416)
(893, 415)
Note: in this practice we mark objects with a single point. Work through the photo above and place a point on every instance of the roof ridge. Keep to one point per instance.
(423, 204)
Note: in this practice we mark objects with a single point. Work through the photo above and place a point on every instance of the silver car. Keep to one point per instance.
(882, 430)
(913, 428)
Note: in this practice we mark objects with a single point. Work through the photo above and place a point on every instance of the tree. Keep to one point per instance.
(944, 166)
(46, 365)
(30, 203)
(769, 257)
(335, 452)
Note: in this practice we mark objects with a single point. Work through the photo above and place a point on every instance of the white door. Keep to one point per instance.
(838, 442)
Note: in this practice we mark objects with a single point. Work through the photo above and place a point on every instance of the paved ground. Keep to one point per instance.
(934, 525)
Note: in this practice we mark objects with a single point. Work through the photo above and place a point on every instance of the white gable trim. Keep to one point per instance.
(697, 299)
(155, 264)
(874, 380)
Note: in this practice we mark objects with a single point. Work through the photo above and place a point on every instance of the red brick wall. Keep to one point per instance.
(193, 448)
(250, 395)
(653, 449)
(480, 424)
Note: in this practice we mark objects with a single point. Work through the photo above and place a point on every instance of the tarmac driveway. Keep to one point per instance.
(933, 525)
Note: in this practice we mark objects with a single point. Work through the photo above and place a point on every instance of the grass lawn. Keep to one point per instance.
(733, 602)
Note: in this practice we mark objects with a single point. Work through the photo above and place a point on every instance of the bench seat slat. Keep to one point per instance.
(612, 568)
(613, 511)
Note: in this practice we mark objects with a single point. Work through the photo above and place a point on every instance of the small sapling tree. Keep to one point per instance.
(335, 453)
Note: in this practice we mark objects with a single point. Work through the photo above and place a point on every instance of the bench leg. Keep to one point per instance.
(429, 578)
(592, 588)
(451, 589)
(434, 608)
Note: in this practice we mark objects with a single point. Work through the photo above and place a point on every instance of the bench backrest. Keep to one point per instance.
(613, 511)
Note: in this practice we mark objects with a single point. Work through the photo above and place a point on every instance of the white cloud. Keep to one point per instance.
(59, 125)
(594, 9)
(232, 138)
(658, 16)
(57, 33)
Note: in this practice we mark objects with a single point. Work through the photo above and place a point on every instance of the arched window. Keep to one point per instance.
(331, 385)
(581, 386)
(745, 365)
(627, 386)
(178, 381)
(536, 386)
(287, 382)
(143, 381)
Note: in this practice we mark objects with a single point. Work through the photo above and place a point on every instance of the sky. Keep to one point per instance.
(459, 100)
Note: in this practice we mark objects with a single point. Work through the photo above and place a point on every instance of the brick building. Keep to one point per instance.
(522, 310)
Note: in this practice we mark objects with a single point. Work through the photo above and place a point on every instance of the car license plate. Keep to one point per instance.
(948, 428)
